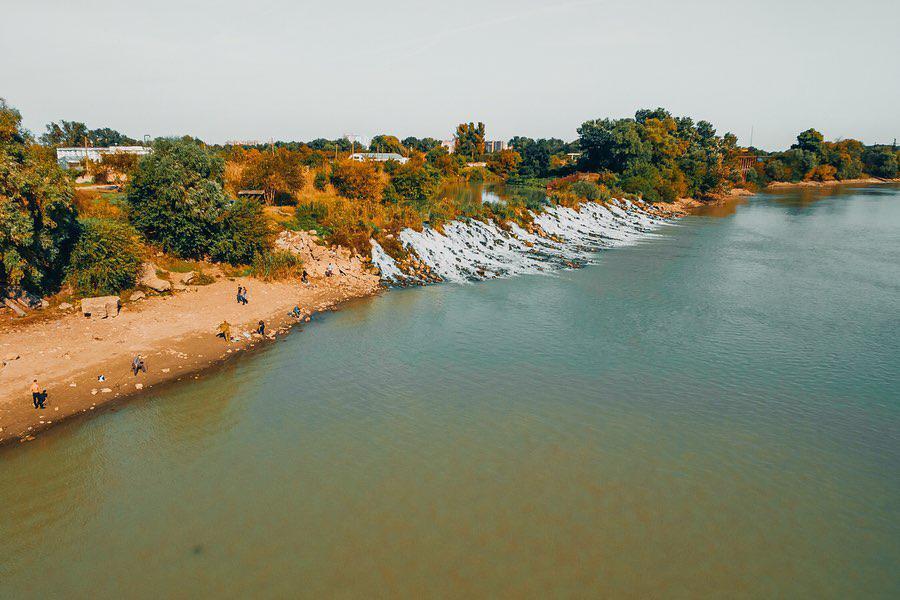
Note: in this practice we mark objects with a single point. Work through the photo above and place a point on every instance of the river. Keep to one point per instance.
(714, 411)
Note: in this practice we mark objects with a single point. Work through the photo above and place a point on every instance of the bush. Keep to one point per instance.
(244, 232)
(277, 264)
(321, 181)
(357, 180)
(588, 191)
(106, 258)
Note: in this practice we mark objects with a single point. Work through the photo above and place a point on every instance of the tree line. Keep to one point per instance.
(200, 201)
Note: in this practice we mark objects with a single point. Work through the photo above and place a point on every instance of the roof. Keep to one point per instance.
(379, 155)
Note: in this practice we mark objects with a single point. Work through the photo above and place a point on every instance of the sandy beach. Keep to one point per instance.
(175, 333)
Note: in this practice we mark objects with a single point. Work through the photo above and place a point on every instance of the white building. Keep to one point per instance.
(72, 157)
(378, 157)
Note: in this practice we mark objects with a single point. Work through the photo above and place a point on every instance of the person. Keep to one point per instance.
(36, 396)
(296, 312)
(240, 297)
(244, 296)
(138, 365)
(329, 270)
(261, 328)
(225, 331)
(304, 278)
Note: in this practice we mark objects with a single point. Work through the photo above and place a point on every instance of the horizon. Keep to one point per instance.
(221, 72)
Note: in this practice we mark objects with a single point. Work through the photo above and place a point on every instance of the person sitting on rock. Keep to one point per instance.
(329, 270)
(304, 278)
(224, 331)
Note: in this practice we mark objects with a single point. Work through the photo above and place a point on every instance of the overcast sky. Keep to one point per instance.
(288, 69)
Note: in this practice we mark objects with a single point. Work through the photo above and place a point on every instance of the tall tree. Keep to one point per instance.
(65, 133)
(37, 217)
(469, 140)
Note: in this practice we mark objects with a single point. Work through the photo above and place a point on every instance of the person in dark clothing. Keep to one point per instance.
(261, 329)
(305, 277)
(138, 365)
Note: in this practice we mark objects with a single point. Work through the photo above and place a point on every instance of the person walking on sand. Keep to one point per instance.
(261, 328)
(138, 365)
(36, 396)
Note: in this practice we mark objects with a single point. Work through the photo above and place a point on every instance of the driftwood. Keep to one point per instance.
(14, 306)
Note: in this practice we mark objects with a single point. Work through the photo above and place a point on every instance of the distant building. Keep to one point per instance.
(244, 143)
(494, 146)
(72, 157)
(449, 145)
(378, 157)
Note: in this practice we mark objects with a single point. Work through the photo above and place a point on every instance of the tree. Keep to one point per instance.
(176, 200)
(881, 162)
(387, 143)
(106, 258)
(279, 174)
(65, 133)
(423, 145)
(810, 141)
(504, 163)
(469, 140)
(109, 137)
(357, 180)
(37, 217)
(414, 183)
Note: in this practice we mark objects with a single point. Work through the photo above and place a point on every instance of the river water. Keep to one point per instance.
(714, 411)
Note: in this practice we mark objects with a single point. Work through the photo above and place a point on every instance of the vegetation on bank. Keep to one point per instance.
(199, 202)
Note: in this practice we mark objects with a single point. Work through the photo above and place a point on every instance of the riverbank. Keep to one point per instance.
(820, 184)
(176, 335)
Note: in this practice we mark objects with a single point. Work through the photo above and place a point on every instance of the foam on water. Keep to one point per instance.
(475, 250)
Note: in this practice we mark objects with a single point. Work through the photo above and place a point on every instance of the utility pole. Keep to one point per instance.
(751, 136)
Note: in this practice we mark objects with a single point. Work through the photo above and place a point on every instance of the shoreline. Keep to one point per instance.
(175, 333)
(169, 368)
(836, 182)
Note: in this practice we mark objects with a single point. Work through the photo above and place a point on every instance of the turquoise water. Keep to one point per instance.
(713, 412)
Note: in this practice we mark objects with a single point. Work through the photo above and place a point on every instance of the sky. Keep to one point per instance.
(297, 70)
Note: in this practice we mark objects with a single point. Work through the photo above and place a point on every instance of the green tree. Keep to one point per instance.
(810, 141)
(469, 140)
(106, 258)
(109, 137)
(414, 183)
(65, 133)
(176, 200)
(387, 143)
(37, 217)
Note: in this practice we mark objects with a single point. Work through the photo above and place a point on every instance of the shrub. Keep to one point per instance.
(277, 264)
(321, 181)
(106, 258)
(357, 180)
(588, 191)
(243, 233)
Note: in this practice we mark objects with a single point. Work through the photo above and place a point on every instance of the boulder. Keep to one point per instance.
(149, 279)
(65, 306)
(100, 307)
(138, 295)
